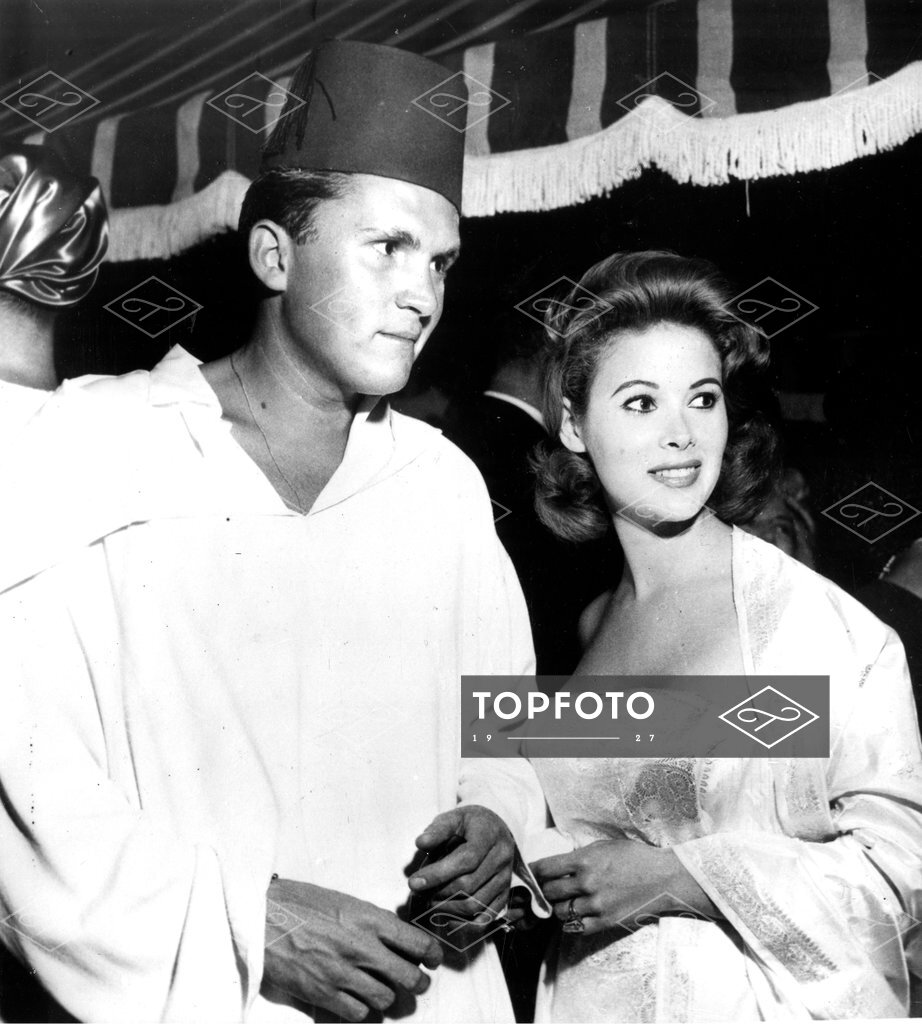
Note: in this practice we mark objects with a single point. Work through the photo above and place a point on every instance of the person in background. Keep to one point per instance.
(53, 236)
(785, 519)
(896, 598)
(499, 430)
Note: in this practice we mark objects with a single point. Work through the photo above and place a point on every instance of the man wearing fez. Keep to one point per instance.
(53, 236)
(237, 656)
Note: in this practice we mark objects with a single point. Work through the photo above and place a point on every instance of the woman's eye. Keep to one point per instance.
(387, 247)
(640, 403)
(706, 400)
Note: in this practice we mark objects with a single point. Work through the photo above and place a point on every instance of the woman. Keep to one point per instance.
(713, 889)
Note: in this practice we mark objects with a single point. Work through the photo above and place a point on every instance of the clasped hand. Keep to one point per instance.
(350, 957)
(340, 953)
(474, 875)
(608, 881)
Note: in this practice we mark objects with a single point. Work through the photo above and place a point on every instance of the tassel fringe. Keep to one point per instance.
(808, 136)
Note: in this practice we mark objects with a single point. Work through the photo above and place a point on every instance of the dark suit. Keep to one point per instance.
(558, 578)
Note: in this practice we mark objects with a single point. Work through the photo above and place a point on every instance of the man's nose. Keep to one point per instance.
(420, 292)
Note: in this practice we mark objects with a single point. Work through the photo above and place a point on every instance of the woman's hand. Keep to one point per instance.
(619, 882)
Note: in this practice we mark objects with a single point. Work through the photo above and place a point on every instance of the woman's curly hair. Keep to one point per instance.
(631, 292)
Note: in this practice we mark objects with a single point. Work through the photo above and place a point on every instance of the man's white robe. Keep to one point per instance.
(202, 687)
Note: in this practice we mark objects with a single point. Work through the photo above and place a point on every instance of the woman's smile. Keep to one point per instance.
(682, 474)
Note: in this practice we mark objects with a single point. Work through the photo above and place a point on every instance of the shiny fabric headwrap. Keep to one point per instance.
(53, 228)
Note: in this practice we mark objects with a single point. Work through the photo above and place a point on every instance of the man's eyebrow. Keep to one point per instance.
(395, 235)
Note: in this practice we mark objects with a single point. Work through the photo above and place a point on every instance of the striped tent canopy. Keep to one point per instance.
(569, 98)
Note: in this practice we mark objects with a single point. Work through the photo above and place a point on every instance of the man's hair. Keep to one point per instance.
(290, 196)
(636, 291)
(23, 307)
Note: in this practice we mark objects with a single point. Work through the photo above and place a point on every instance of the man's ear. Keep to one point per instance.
(569, 430)
(269, 249)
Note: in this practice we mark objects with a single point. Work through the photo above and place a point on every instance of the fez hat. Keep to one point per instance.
(360, 108)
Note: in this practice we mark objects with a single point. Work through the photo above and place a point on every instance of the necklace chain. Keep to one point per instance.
(298, 501)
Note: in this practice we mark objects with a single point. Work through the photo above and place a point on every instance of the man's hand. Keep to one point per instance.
(337, 952)
(608, 881)
(480, 865)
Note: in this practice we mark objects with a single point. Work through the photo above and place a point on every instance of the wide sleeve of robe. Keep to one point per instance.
(120, 918)
(827, 903)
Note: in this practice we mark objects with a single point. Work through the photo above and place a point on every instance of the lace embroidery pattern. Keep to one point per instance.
(601, 980)
(767, 921)
(664, 792)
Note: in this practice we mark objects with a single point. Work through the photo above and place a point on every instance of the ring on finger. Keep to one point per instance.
(573, 923)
